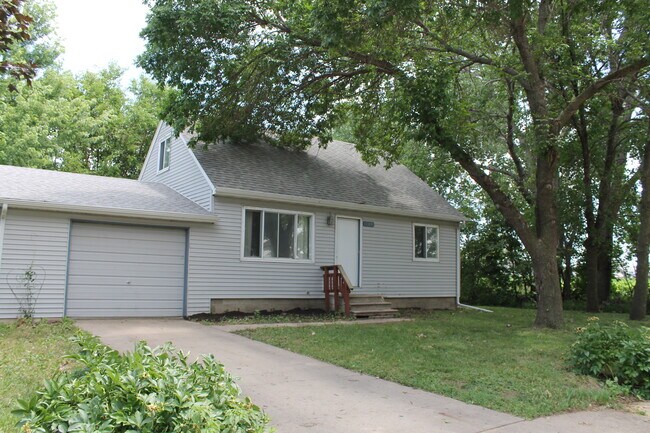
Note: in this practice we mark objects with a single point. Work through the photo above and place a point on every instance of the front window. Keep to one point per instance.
(425, 242)
(277, 235)
(164, 154)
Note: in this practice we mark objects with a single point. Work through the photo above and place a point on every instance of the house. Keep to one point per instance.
(224, 227)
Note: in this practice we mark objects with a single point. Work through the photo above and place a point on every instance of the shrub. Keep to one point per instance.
(616, 353)
(148, 390)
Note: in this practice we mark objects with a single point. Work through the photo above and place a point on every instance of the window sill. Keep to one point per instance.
(163, 170)
(419, 259)
(275, 260)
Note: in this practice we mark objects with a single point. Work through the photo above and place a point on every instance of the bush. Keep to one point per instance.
(149, 390)
(616, 353)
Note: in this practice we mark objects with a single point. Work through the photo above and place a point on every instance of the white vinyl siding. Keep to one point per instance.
(118, 270)
(41, 239)
(217, 270)
(184, 174)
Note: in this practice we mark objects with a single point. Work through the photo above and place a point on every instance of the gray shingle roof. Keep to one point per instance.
(54, 188)
(335, 173)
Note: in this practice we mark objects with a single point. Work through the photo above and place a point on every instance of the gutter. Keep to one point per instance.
(3, 219)
(93, 210)
(257, 195)
(458, 304)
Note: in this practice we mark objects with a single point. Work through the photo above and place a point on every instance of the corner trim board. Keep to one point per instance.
(3, 219)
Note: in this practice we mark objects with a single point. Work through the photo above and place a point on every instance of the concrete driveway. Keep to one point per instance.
(301, 394)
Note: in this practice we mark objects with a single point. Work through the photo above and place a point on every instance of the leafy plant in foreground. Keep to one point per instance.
(615, 353)
(148, 390)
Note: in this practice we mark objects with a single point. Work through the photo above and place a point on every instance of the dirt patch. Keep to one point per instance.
(262, 313)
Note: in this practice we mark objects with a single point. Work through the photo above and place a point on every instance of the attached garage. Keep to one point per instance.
(117, 270)
(97, 246)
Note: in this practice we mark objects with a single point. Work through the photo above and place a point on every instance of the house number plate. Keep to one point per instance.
(368, 223)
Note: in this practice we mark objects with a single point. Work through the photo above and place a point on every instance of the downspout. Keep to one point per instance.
(458, 304)
(3, 218)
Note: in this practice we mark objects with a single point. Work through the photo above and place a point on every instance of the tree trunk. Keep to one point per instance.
(544, 255)
(591, 274)
(640, 296)
(549, 294)
(605, 265)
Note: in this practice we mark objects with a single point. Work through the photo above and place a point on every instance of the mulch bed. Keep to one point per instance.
(238, 314)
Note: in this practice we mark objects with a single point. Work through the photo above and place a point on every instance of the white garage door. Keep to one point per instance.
(125, 271)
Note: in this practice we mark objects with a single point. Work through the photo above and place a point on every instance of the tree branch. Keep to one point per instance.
(501, 200)
(593, 89)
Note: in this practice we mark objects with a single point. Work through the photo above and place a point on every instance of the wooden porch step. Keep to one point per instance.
(371, 306)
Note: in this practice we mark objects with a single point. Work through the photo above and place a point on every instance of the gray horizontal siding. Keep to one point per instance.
(40, 238)
(184, 174)
(217, 271)
(388, 265)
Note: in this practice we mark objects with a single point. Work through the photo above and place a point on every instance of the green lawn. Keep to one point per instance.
(494, 360)
(29, 354)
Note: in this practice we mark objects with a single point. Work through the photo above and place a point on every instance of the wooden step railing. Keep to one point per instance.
(337, 283)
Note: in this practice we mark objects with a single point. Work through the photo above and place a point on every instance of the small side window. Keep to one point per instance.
(164, 154)
(425, 242)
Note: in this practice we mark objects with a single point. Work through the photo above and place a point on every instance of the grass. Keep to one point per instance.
(29, 354)
(493, 360)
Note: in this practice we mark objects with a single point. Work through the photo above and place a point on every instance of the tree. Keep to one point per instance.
(22, 47)
(408, 71)
(85, 124)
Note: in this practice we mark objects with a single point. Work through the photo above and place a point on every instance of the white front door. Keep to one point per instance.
(347, 247)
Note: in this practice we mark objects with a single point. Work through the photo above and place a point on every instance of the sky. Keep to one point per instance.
(96, 32)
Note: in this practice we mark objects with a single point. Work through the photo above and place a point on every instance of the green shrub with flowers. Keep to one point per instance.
(616, 353)
(146, 391)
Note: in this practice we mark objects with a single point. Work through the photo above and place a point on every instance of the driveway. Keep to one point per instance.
(301, 394)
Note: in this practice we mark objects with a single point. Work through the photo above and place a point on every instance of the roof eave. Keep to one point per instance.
(259, 195)
(107, 211)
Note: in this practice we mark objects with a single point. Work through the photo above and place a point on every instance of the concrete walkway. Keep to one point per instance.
(301, 394)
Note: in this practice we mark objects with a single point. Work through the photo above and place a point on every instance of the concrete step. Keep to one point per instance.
(366, 298)
(369, 306)
(376, 314)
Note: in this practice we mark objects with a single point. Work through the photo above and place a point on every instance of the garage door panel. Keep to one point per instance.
(92, 256)
(125, 271)
(128, 246)
(93, 310)
(85, 286)
(122, 231)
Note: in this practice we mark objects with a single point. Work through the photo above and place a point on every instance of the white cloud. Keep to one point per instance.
(96, 32)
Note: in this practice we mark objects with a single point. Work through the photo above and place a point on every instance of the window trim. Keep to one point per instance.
(312, 237)
(426, 259)
(160, 154)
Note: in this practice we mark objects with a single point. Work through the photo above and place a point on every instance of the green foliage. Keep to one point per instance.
(86, 124)
(30, 352)
(149, 390)
(496, 270)
(614, 352)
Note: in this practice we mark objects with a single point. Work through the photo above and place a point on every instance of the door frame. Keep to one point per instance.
(336, 228)
(185, 228)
